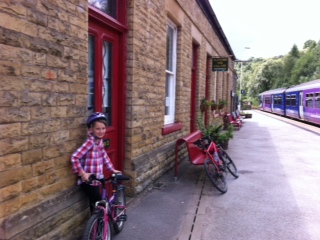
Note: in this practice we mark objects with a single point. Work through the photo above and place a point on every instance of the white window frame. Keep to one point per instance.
(171, 79)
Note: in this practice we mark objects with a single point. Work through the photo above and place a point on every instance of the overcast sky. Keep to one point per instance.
(268, 27)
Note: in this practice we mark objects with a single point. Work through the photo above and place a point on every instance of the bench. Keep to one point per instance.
(235, 117)
(235, 123)
(196, 155)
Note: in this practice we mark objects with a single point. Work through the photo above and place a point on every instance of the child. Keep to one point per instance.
(91, 157)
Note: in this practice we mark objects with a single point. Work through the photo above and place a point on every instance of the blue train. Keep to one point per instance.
(300, 101)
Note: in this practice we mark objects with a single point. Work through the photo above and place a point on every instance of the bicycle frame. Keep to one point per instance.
(107, 204)
(212, 153)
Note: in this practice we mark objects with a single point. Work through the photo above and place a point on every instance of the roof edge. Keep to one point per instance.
(211, 16)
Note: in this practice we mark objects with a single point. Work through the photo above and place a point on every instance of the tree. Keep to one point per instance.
(260, 74)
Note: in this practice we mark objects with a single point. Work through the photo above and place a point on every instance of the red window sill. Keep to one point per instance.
(170, 128)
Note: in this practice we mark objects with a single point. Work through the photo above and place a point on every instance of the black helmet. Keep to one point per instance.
(95, 116)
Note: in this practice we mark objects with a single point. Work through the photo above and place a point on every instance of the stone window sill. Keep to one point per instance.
(170, 128)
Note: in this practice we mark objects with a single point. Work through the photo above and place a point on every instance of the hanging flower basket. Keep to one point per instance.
(222, 104)
(214, 105)
(204, 104)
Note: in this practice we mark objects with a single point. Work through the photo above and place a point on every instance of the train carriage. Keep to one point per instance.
(309, 101)
(273, 101)
(301, 101)
(292, 104)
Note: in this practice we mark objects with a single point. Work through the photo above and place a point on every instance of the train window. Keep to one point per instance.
(277, 100)
(309, 100)
(317, 100)
(293, 100)
(267, 100)
(287, 100)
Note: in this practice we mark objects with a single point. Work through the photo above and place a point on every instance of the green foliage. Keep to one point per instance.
(215, 131)
(296, 67)
(205, 102)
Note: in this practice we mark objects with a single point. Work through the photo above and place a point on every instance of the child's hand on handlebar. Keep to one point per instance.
(85, 177)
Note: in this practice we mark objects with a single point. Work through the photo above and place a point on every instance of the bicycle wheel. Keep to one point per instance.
(217, 179)
(119, 210)
(229, 163)
(95, 228)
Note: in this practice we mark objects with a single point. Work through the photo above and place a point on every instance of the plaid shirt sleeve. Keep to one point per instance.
(78, 155)
(107, 161)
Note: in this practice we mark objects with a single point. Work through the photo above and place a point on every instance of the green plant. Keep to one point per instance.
(214, 105)
(222, 103)
(216, 135)
(204, 104)
(223, 136)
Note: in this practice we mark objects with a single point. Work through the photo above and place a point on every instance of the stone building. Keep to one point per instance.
(146, 64)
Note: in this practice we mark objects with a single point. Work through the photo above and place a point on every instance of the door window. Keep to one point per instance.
(107, 80)
(91, 64)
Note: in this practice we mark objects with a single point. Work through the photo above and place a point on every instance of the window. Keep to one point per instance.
(267, 100)
(277, 100)
(293, 100)
(288, 100)
(91, 64)
(107, 6)
(170, 73)
(100, 92)
(317, 100)
(309, 100)
(106, 83)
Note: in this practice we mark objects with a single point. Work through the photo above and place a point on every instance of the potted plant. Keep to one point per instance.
(214, 105)
(224, 136)
(204, 104)
(222, 103)
(221, 137)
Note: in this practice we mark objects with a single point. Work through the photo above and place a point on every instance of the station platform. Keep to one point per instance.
(276, 196)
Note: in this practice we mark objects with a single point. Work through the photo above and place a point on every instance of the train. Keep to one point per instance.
(301, 102)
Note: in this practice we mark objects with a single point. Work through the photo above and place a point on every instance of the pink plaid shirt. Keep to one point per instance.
(91, 157)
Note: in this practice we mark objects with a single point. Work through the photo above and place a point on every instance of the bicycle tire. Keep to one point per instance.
(217, 179)
(94, 228)
(227, 161)
(120, 200)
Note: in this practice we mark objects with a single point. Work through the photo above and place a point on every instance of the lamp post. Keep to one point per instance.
(241, 78)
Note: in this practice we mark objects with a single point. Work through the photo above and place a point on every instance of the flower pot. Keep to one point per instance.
(225, 145)
(203, 108)
(248, 115)
(214, 107)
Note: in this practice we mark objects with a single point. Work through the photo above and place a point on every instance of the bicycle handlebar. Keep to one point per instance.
(114, 177)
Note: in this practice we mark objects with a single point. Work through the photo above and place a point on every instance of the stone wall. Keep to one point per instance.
(147, 21)
(43, 100)
(43, 97)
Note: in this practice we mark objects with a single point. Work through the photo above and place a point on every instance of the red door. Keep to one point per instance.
(104, 84)
(194, 71)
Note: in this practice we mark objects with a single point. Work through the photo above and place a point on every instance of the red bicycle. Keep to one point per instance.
(217, 163)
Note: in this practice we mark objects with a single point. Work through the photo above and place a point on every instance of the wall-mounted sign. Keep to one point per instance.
(219, 64)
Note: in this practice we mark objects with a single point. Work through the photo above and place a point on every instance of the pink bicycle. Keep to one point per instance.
(108, 211)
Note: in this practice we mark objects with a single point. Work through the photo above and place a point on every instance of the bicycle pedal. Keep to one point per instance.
(123, 217)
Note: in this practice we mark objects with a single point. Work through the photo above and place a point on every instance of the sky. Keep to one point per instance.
(267, 28)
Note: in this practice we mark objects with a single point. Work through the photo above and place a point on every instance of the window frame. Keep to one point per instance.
(171, 78)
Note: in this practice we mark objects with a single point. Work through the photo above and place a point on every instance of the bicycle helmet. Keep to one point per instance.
(94, 117)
